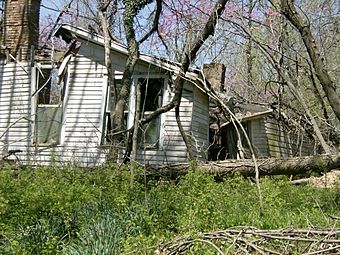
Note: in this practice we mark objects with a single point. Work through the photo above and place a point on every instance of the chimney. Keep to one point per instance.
(215, 74)
(21, 27)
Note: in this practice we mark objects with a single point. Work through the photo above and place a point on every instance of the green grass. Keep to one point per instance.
(111, 211)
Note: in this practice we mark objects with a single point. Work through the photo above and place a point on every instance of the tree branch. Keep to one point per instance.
(155, 22)
(289, 11)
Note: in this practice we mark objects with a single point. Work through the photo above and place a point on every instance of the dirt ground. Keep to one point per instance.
(328, 180)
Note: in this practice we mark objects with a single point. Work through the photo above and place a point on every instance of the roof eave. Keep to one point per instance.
(69, 33)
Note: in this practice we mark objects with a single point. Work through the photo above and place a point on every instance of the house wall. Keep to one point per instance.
(83, 114)
(259, 137)
(194, 114)
(15, 107)
(200, 124)
(172, 148)
(286, 142)
(270, 138)
(81, 123)
(256, 132)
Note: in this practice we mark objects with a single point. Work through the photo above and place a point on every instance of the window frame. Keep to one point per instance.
(35, 105)
(132, 107)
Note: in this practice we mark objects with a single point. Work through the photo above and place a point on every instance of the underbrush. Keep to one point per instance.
(111, 210)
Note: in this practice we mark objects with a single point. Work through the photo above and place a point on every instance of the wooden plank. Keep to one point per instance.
(198, 117)
(74, 103)
(184, 119)
(175, 148)
(82, 111)
(83, 107)
(5, 93)
(75, 74)
(93, 81)
(79, 97)
(175, 128)
(163, 158)
(17, 98)
(15, 83)
(18, 128)
(77, 88)
(11, 116)
(84, 116)
(81, 123)
(82, 140)
(7, 74)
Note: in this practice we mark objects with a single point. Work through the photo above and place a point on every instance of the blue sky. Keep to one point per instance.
(52, 4)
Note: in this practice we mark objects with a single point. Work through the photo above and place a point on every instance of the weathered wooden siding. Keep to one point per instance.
(200, 124)
(80, 136)
(83, 113)
(82, 116)
(258, 137)
(84, 103)
(15, 107)
(270, 138)
(286, 142)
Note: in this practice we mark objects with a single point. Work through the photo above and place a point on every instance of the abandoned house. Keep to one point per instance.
(271, 136)
(60, 112)
(58, 109)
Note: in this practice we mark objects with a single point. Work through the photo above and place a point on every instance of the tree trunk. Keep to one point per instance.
(289, 11)
(271, 166)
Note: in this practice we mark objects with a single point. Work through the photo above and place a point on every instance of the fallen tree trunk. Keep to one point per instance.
(270, 166)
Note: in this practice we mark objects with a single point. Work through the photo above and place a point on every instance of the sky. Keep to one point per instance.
(46, 5)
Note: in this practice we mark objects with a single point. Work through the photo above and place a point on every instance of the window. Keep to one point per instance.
(107, 129)
(151, 99)
(50, 93)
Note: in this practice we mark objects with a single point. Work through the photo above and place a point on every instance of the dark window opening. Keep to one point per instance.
(151, 99)
(108, 128)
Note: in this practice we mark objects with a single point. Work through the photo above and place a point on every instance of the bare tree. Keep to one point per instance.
(303, 26)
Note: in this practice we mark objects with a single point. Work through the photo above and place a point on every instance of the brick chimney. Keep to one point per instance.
(215, 74)
(21, 27)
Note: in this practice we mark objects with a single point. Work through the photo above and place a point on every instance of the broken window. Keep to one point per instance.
(50, 93)
(107, 129)
(151, 99)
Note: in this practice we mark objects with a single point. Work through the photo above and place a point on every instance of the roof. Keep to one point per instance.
(250, 116)
(69, 32)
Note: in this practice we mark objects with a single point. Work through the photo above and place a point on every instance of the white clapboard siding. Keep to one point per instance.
(84, 102)
(62, 155)
(83, 116)
(15, 106)
(200, 124)
(162, 157)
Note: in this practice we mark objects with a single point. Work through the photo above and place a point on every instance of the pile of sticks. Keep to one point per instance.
(256, 241)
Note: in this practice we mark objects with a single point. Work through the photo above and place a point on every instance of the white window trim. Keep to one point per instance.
(132, 102)
(104, 107)
(64, 105)
(34, 101)
(34, 104)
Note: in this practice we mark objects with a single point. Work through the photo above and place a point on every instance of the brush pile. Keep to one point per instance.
(257, 241)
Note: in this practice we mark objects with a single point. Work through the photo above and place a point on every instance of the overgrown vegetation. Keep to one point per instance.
(112, 211)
